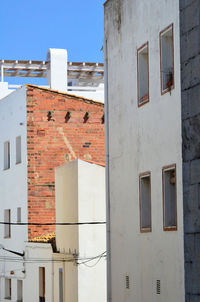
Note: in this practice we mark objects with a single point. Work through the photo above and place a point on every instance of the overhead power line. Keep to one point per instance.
(53, 223)
(79, 260)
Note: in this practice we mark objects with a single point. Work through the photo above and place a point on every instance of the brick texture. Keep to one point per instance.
(53, 140)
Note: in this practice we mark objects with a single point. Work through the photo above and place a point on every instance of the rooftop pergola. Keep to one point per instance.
(38, 69)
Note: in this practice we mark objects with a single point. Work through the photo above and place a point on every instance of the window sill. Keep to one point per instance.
(169, 229)
(6, 169)
(7, 237)
(143, 100)
(167, 90)
(147, 230)
(9, 298)
(18, 163)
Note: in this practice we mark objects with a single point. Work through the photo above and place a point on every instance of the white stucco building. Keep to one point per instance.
(76, 270)
(15, 156)
(152, 174)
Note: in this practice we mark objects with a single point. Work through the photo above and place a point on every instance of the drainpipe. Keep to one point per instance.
(109, 296)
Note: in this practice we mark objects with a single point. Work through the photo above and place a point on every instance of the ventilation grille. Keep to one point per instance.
(158, 287)
(127, 280)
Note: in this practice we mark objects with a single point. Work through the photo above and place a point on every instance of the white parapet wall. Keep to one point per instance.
(80, 197)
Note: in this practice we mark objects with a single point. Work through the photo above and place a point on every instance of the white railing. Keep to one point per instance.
(69, 88)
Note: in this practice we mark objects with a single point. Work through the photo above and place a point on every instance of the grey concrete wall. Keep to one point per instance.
(190, 86)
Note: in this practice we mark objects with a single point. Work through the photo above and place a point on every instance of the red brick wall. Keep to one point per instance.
(53, 143)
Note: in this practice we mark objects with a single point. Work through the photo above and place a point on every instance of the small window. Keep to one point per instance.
(169, 198)
(167, 59)
(8, 289)
(143, 74)
(7, 227)
(18, 150)
(145, 202)
(19, 219)
(19, 291)
(6, 155)
(41, 284)
(60, 285)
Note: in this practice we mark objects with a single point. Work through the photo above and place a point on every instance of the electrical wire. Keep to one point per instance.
(53, 223)
(99, 257)
(46, 260)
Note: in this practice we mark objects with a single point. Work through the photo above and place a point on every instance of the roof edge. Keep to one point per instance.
(65, 93)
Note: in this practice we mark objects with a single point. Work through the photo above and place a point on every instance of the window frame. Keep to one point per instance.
(145, 230)
(169, 228)
(7, 225)
(17, 162)
(9, 280)
(19, 214)
(163, 91)
(6, 154)
(146, 100)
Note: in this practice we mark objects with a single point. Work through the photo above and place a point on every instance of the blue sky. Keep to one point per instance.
(29, 27)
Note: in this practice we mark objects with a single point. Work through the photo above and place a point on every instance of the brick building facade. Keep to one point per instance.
(60, 128)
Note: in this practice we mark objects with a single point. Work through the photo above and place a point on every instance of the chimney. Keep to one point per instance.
(57, 69)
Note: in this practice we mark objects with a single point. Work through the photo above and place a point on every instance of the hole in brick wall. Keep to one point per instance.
(86, 145)
(86, 117)
(67, 116)
(102, 119)
(40, 133)
(49, 115)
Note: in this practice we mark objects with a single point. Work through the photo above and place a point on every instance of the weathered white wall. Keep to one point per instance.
(66, 187)
(38, 255)
(92, 238)
(13, 183)
(80, 196)
(142, 139)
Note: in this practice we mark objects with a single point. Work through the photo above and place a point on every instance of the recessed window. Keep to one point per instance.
(60, 285)
(8, 289)
(167, 59)
(18, 150)
(19, 291)
(6, 155)
(169, 198)
(143, 74)
(145, 202)
(7, 227)
(41, 284)
(19, 218)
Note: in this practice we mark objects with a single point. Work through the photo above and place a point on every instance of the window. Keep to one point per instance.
(18, 150)
(145, 202)
(169, 198)
(167, 59)
(19, 219)
(8, 289)
(6, 155)
(7, 227)
(143, 74)
(41, 284)
(60, 285)
(19, 291)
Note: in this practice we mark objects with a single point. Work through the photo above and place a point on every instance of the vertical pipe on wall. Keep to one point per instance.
(109, 296)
